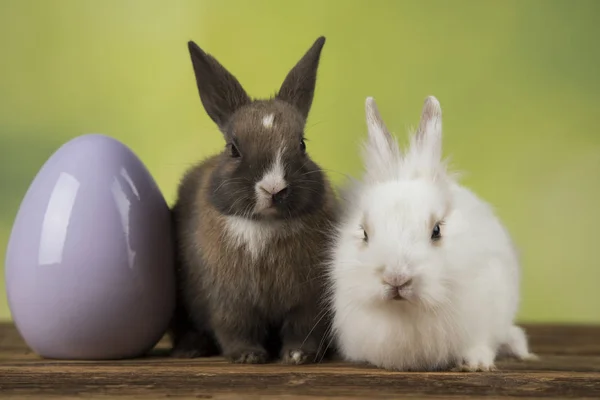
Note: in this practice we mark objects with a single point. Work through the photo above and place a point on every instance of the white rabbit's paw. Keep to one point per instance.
(472, 367)
(516, 346)
(477, 359)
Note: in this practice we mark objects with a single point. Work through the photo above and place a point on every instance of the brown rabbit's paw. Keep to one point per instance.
(183, 352)
(249, 357)
(193, 345)
(297, 357)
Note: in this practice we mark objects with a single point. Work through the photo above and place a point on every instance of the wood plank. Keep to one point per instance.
(183, 380)
(569, 367)
(564, 339)
(544, 339)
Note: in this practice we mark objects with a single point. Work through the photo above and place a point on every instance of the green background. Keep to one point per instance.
(518, 82)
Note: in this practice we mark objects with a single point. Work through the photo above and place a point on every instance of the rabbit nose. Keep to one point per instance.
(397, 281)
(281, 195)
(273, 190)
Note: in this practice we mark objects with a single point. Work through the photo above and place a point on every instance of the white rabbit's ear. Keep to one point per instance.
(424, 158)
(428, 138)
(381, 154)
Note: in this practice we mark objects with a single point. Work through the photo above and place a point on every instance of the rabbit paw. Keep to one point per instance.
(297, 357)
(477, 359)
(249, 357)
(194, 344)
(516, 346)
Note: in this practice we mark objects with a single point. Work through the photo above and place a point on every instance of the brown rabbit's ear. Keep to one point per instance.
(298, 87)
(220, 92)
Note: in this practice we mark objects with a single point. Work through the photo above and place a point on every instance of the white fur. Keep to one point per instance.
(272, 182)
(267, 120)
(255, 236)
(465, 288)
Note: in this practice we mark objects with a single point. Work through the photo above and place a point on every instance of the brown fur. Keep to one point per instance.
(253, 306)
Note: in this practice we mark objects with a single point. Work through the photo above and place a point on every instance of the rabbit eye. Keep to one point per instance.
(302, 145)
(233, 151)
(436, 234)
(365, 236)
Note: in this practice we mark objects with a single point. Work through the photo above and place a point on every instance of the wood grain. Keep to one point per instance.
(569, 367)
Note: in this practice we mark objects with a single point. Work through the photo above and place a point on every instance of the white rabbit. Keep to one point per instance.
(423, 274)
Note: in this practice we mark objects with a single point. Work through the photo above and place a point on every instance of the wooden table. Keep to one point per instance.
(569, 367)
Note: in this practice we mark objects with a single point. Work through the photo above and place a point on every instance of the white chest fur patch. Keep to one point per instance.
(255, 236)
(267, 121)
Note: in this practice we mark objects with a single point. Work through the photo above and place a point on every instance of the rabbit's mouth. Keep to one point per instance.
(398, 287)
(397, 293)
(398, 297)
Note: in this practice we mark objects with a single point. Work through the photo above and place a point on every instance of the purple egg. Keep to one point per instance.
(89, 264)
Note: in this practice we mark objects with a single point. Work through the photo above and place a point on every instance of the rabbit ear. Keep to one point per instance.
(220, 92)
(382, 155)
(428, 138)
(298, 87)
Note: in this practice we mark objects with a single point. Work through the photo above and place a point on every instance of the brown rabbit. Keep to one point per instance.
(253, 225)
